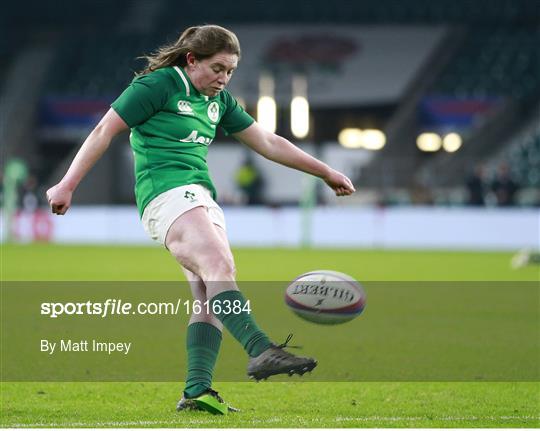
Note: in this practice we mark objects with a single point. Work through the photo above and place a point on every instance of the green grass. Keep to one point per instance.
(46, 262)
(270, 404)
(275, 405)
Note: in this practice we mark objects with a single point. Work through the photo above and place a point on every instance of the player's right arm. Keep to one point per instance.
(59, 196)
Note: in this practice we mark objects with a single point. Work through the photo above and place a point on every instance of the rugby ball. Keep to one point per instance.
(325, 297)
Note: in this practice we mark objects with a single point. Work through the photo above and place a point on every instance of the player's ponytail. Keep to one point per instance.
(203, 41)
(186, 35)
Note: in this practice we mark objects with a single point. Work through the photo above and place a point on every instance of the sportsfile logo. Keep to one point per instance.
(184, 108)
(119, 307)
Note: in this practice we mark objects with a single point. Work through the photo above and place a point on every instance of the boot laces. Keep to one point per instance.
(286, 343)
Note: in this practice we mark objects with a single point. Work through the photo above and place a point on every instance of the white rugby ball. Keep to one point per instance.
(326, 297)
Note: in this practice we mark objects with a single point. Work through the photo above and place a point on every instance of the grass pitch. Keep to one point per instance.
(46, 262)
(275, 405)
(268, 404)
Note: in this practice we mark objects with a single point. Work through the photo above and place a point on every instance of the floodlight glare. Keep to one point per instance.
(373, 139)
(350, 138)
(452, 142)
(266, 113)
(428, 142)
(299, 117)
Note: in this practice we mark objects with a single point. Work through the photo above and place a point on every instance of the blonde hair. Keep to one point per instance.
(202, 41)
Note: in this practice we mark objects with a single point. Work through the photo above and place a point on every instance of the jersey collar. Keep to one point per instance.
(188, 85)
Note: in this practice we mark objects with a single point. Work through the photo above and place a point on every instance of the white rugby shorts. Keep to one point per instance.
(164, 209)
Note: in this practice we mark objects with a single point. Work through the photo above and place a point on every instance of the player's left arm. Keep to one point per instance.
(280, 150)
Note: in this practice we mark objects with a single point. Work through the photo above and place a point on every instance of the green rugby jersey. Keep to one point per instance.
(172, 125)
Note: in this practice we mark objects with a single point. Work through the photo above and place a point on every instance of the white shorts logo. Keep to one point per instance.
(184, 108)
(213, 111)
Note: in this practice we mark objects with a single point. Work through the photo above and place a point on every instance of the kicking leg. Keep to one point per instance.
(202, 247)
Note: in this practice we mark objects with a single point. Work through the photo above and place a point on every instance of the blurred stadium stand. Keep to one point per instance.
(491, 62)
(523, 154)
(483, 75)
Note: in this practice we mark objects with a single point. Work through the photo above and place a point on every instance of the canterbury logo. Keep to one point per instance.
(194, 137)
(184, 108)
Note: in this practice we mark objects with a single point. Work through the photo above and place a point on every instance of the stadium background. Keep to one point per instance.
(465, 68)
(468, 69)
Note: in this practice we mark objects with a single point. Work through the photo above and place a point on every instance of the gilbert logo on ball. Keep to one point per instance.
(326, 297)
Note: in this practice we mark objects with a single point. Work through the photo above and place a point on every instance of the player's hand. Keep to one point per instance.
(59, 198)
(340, 183)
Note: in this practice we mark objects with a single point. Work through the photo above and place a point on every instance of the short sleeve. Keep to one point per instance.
(143, 98)
(235, 119)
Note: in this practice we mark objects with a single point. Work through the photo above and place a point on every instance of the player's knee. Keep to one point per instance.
(220, 267)
(215, 265)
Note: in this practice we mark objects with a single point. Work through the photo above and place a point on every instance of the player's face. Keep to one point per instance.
(211, 75)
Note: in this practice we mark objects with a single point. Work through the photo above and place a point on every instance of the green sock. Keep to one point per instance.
(239, 322)
(203, 342)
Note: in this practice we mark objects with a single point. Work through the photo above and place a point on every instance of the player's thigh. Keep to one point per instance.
(195, 242)
(222, 234)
